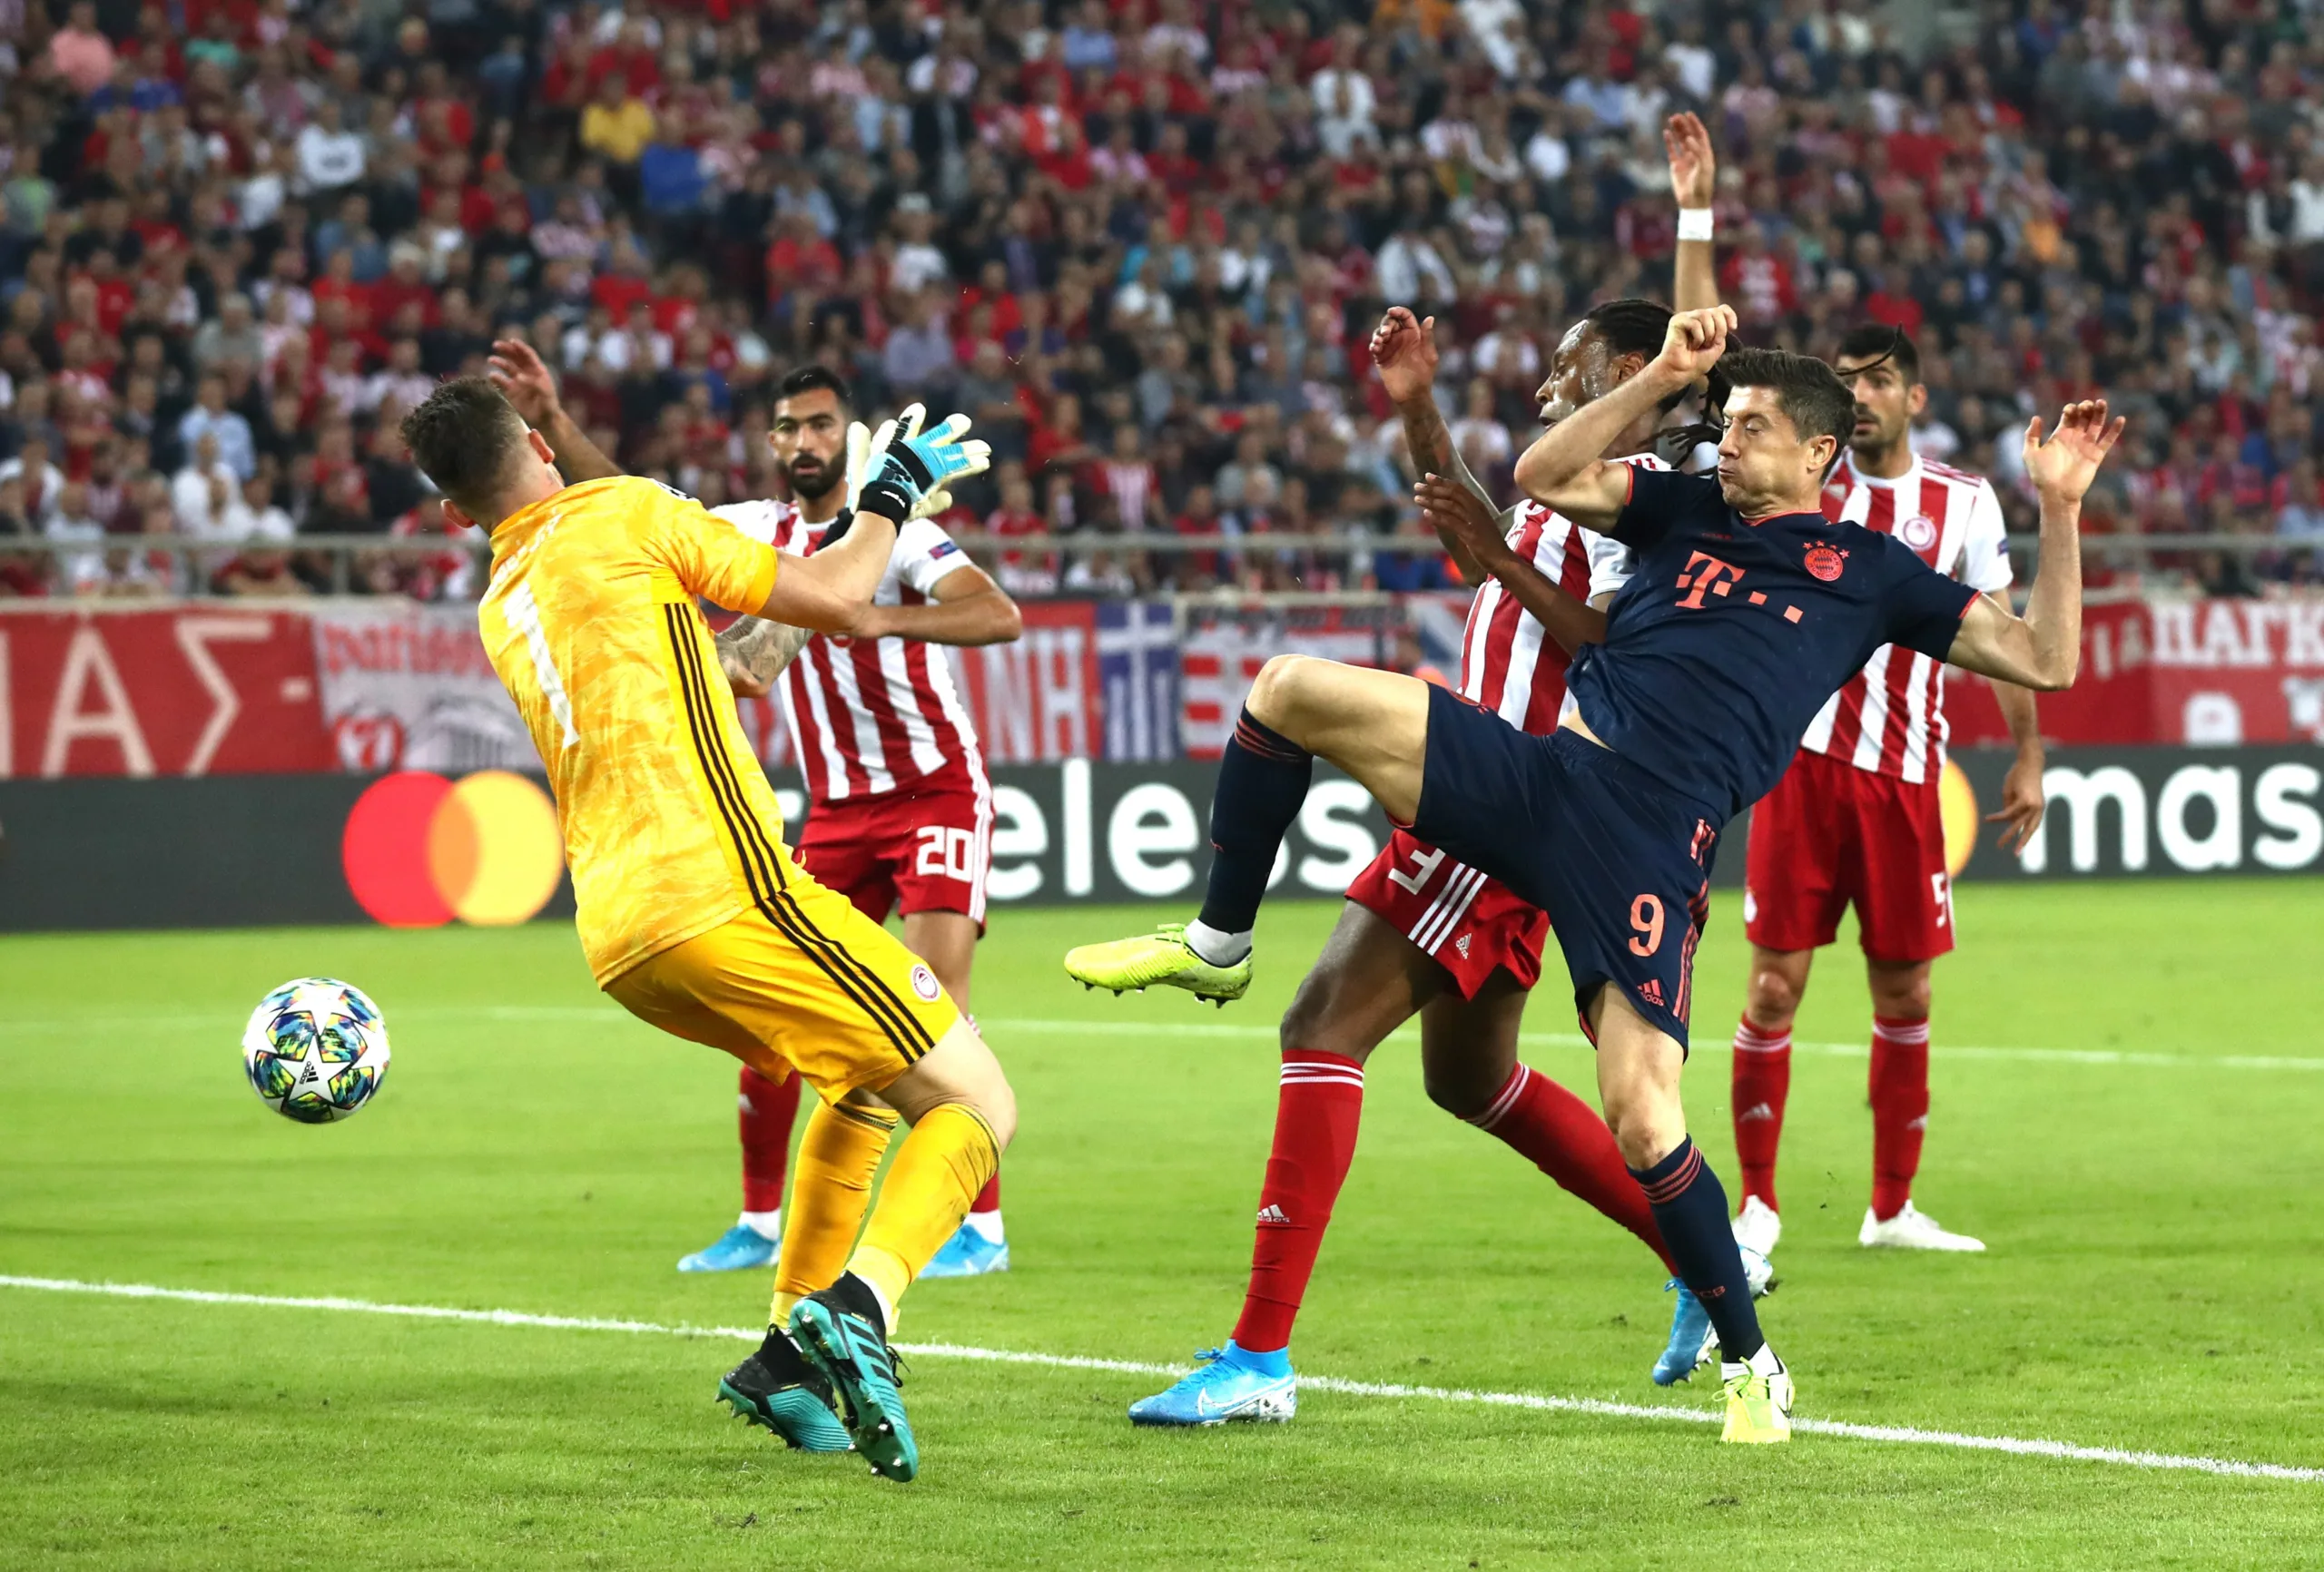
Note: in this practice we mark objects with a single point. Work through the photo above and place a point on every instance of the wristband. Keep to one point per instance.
(887, 496)
(1694, 223)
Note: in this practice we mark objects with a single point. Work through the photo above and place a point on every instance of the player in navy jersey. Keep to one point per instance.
(1747, 611)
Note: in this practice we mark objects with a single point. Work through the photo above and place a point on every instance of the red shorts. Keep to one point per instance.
(1468, 924)
(1831, 834)
(925, 849)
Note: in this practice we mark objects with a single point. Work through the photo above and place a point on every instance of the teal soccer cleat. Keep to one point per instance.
(840, 1331)
(739, 1249)
(1230, 1385)
(968, 1253)
(776, 1388)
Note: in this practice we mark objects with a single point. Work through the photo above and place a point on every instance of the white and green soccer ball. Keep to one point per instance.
(316, 1049)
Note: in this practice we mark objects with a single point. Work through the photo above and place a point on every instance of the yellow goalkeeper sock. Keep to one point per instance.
(830, 1188)
(948, 1157)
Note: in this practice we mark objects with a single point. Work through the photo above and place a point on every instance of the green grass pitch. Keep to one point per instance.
(2152, 1206)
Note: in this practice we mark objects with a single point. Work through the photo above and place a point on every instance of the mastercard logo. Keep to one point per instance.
(1956, 802)
(420, 849)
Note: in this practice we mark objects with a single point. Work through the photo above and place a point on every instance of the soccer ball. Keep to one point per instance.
(315, 1050)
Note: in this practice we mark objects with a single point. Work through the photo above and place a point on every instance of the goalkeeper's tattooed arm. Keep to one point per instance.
(753, 652)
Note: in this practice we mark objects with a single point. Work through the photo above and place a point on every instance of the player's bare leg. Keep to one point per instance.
(1469, 1064)
(1760, 1085)
(1898, 1090)
(947, 941)
(1372, 724)
(1639, 1068)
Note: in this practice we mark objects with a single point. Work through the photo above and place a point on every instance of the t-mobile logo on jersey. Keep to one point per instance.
(1707, 574)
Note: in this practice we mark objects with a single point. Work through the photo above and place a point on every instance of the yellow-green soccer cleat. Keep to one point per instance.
(1758, 1404)
(1162, 958)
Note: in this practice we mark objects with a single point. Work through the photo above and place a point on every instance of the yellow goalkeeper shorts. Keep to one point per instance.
(802, 981)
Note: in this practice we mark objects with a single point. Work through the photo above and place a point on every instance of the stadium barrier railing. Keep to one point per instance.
(341, 557)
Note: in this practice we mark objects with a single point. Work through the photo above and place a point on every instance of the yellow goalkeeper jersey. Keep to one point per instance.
(591, 621)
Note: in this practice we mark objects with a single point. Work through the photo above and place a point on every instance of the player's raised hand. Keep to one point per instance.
(1694, 173)
(1695, 341)
(1403, 353)
(2063, 465)
(1450, 508)
(515, 369)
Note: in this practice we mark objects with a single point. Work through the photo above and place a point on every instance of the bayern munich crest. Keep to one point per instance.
(1824, 562)
(1919, 532)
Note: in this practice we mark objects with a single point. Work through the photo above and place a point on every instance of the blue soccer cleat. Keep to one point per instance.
(738, 1249)
(1692, 1341)
(1230, 1385)
(968, 1253)
(1694, 1344)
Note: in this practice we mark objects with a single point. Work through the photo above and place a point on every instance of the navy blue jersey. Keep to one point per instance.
(1730, 635)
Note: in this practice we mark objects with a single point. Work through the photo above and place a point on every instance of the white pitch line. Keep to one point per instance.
(1901, 1434)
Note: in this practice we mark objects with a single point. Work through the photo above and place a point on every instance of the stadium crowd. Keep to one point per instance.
(1141, 242)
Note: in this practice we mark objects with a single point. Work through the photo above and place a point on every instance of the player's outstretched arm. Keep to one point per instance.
(1404, 357)
(826, 593)
(966, 608)
(1563, 469)
(1455, 511)
(829, 591)
(515, 369)
(1694, 180)
(2043, 649)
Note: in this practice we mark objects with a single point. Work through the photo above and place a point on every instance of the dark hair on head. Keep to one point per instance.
(1637, 327)
(1631, 326)
(1870, 343)
(807, 379)
(1809, 392)
(464, 437)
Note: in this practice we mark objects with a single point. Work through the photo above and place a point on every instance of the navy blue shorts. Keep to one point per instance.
(1620, 862)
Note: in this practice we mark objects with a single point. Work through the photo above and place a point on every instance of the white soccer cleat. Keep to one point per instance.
(1758, 1272)
(1757, 1226)
(1913, 1229)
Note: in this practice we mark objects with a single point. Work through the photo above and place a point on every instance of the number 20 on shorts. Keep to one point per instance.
(946, 853)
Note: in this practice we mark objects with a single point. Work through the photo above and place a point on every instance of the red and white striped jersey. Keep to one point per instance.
(1890, 717)
(871, 716)
(1509, 664)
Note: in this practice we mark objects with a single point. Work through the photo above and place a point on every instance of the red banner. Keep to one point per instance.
(221, 688)
(197, 690)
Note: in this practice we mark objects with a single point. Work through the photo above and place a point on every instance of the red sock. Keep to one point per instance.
(1899, 1110)
(989, 1198)
(1762, 1081)
(768, 1112)
(1316, 1111)
(1564, 1137)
